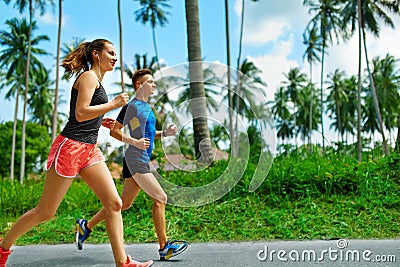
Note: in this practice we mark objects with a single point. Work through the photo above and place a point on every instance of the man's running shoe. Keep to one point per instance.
(4, 256)
(82, 232)
(131, 263)
(171, 249)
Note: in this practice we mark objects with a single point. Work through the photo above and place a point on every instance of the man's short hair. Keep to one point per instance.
(139, 74)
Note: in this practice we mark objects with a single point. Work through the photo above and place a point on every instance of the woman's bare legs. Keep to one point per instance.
(149, 183)
(129, 194)
(99, 179)
(55, 188)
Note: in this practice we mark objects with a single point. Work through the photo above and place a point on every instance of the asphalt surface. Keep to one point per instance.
(346, 253)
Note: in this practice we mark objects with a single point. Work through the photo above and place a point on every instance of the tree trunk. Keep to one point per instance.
(310, 116)
(28, 59)
(197, 94)
(359, 146)
(153, 32)
(55, 104)
(239, 77)
(375, 98)
(14, 134)
(398, 134)
(120, 47)
(230, 94)
(322, 95)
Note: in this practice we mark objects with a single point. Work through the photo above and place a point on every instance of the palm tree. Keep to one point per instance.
(349, 118)
(14, 84)
(387, 80)
(32, 6)
(303, 118)
(295, 82)
(371, 124)
(313, 47)
(244, 100)
(13, 58)
(366, 14)
(197, 94)
(40, 104)
(337, 99)
(359, 79)
(55, 102)
(153, 11)
(281, 113)
(328, 23)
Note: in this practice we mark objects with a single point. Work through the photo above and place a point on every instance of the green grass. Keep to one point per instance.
(305, 196)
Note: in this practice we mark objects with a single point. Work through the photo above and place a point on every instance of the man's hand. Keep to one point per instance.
(170, 131)
(142, 143)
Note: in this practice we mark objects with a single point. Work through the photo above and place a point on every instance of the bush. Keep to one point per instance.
(37, 146)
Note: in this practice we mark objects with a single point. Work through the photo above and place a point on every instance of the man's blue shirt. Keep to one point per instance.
(141, 122)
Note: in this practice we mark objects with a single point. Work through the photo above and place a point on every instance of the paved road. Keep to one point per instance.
(346, 253)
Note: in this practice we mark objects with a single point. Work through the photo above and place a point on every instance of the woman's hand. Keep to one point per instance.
(108, 123)
(121, 100)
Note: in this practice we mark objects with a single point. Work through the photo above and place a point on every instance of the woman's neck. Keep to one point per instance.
(99, 74)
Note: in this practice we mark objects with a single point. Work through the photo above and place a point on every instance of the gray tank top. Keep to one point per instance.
(85, 131)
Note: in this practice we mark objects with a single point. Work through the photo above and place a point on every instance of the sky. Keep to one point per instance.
(273, 37)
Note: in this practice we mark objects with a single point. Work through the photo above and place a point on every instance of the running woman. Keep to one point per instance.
(75, 150)
(140, 118)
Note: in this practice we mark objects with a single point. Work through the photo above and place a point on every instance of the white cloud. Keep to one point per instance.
(274, 65)
(387, 42)
(52, 19)
(48, 18)
(266, 21)
(265, 31)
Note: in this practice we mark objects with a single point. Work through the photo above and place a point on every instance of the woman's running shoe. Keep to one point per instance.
(4, 256)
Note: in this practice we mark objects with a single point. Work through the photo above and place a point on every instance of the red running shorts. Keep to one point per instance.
(70, 157)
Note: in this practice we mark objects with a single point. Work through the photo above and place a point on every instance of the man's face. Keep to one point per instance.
(148, 84)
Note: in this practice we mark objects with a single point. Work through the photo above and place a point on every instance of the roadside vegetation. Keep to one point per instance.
(305, 196)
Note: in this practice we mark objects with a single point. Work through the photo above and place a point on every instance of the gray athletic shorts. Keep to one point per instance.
(129, 170)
